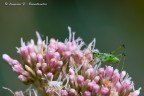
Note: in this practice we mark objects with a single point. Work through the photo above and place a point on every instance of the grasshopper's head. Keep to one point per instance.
(95, 54)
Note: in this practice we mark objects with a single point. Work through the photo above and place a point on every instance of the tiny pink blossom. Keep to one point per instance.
(18, 69)
(126, 84)
(66, 54)
(96, 88)
(101, 72)
(49, 76)
(64, 93)
(104, 90)
(122, 75)
(87, 93)
(22, 78)
(73, 92)
(7, 58)
(61, 47)
(118, 86)
(30, 48)
(40, 58)
(56, 55)
(24, 51)
(38, 65)
(89, 72)
(50, 54)
(33, 56)
(71, 72)
(116, 76)
(80, 79)
(96, 79)
(71, 78)
(108, 72)
(39, 72)
(90, 86)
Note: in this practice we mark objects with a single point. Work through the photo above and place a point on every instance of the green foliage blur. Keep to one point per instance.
(112, 23)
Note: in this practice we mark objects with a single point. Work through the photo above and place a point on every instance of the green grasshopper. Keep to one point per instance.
(108, 57)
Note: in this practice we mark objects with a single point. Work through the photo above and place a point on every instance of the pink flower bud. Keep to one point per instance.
(25, 73)
(49, 54)
(104, 90)
(101, 72)
(38, 65)
(40, 58)
(56, 55)
(64, 93)
(80, 80)
(18, 69)
(87, 93)
(39, 72)
(22, 78)
(79, 54)
(15, 62)
(44, 67)
(90, 86)
(88, 54)
(73, 92)
(71, 77)
(66, 54)
(60, 47)
(122, 75)
(7, 58)
(59, 63)
(116, 76)
(89, 72)
(24, 51)
(49, 76)
(118, 86)
(108, 72)
(96, 88)
(30, 48)
(71, 72)
(33, 57)
(52, 45)
(53, 62)
(69, 46)
(73, 43)
(96, 79)
(52, 40)
(126, 84)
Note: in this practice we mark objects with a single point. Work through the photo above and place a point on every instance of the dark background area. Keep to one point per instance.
(112, 23)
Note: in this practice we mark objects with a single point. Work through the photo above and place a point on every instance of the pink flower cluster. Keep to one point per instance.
(100, 82)
(57, 68)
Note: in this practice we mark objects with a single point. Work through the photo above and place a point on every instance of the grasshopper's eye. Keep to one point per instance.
(123, 45)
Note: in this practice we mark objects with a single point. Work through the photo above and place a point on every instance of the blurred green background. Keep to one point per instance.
(111, 22)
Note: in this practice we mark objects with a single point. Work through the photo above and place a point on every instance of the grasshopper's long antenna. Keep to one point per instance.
(123, 61)
(117, 49)
(120, 55)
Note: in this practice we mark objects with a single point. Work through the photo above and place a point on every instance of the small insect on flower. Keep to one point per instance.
(109, 57)
(106, 57)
